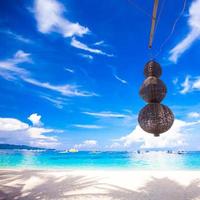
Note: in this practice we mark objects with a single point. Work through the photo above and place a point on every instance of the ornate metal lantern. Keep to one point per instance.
(153, 90)
(154, 118)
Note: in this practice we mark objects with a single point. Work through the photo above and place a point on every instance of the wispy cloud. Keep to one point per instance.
(186, 85)
(20, 57)
(106, 114)
(17, 36)
(87, 144)
(190, 84)
(196, 83)
(58, 102)
(175, 81)
(192, 36)
(66, 90)
(10, 70)
(77, 44)
(89, 57)
(49, 15)
(87, 126)
(69, 70)
(120, 79)
(99, 43)
(194, 115)
(50, 18)
(114, 73)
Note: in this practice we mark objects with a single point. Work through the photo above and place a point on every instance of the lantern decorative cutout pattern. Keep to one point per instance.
(154, 118)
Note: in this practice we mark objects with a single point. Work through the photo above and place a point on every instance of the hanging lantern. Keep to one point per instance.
(154, 118)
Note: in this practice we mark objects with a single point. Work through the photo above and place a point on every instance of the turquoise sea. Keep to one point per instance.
(94, 160)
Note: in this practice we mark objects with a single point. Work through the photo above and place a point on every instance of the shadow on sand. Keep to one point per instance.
(13, 186)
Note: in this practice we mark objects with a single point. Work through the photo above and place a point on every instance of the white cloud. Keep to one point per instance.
(69, 70)
(175, 81)
(77, 44)
(120, 79)
(10, 124)
(114, 73)
(115, 145)
(106, 114)
(190, 84)
(90, 142)
(176, 137)
(16, 36)
(186, 85)
(21, 56)
(58, 102)
(193, 35)
(50, 18)
(194, 115)
(121, 121)
(87, 144)
(86, 56)
(10, 70)
(87, 126)
(66, 90)
(99, 43)
(196, 83)
(14, 131)
(35, 119)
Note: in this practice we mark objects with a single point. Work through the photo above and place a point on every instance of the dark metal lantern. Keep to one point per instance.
(153, 90)
(155, 118)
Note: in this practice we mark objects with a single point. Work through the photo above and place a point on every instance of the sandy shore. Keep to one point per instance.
(97, 184)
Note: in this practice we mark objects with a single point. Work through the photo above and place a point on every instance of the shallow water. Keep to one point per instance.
(95, 160)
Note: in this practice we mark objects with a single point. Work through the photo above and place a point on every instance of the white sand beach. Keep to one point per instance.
(99, 184)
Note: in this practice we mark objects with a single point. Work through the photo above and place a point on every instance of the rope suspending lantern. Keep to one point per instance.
(155, 117)
(153, 23)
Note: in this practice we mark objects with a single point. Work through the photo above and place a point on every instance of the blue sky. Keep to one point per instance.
(70, 72)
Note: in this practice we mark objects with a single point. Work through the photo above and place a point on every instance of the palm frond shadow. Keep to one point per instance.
(77, 187)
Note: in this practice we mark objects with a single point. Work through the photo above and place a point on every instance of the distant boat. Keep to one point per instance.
(169, 151)
(181, 152)
(65, 151)
(73, 150)
(95, 152)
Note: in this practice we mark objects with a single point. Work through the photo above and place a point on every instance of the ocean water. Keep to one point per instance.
(97, 160)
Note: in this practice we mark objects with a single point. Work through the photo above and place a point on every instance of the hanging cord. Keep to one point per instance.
(138, 7)
(172, 30)
(151, 54)
(153, 23)
(160, 13)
